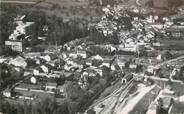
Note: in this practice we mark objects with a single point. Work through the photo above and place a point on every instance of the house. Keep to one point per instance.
(97, 60)
(7, 93)
(106, 61)
(26, 97)
(121, 64)
(53, 75)
(19, 62)
(82, 54)
(28, 89)
(61, 88)
(84, 76)
(37, 71)
(77, 54)
(91, 71)
(73, 55)
(46, 58)
(2, 60)
(89, 61)
(122, 61)
(150, 69)
(32, 54)
(128, 48)
(132, 66)
(14, 45)
(44, 68)
(99, 71)
(67, 67)
(159, 57)
(51, 87)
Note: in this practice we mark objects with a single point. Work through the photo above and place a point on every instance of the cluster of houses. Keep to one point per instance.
(45, 68)
(75, 63)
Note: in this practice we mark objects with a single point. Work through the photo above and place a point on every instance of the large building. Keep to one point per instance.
(14, 45)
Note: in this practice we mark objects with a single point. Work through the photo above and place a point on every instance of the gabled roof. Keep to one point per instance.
(51, 84)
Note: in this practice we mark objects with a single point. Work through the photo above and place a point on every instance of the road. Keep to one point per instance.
(169, 61)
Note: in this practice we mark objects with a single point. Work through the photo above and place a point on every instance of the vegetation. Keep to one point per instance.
(59, 32)
(46, 106)
(8, 75)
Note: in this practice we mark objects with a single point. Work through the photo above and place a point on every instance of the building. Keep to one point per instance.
(14, 45)
(7, 93)
(107, 61)
(82, 54)
(50, 87)
(133, 66)
(121, 63)
(77, 54)
(61, 89)
(176, 31)
(89, 61)
(152, 108)
(18, 62)
(128, 48)
(127, 78)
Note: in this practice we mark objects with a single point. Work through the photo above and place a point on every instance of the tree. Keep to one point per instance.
(91, 111)
(60, 80)
(181, 74)
(75, 97)
(168, 55)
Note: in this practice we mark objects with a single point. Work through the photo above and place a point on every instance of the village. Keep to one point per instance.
(96, 75)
